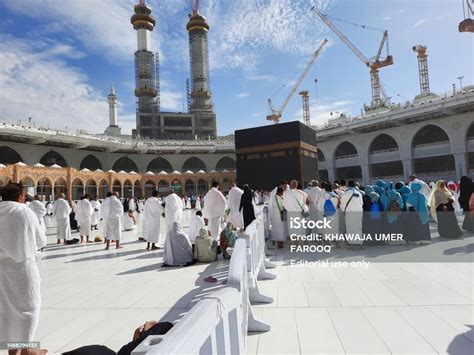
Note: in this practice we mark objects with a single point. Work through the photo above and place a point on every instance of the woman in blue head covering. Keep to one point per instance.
(418, 229)
(371, 222)
(395, 215)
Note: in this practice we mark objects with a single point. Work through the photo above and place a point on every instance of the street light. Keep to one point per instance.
(460, 81)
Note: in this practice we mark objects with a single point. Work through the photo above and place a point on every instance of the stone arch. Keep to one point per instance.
(77, 189)
(125, 164)
(189, 187)
(60, 186)
(429, 134)
(29, 185)
(351, 169)
(117, 187)
(159, 164)
(426, 144)
(470, 148)
(177, 186)
(137, 189)
(103, 188)
(127, 189)
(150, 186)
(470, 132)
(194, 164)
(91, 188)
(52, 157)
(90, 162)
(44, 188)
(345, 150)
(202, 186)
(384, 158)
(382, 143)
(9, 156)
(163, 187)
(225, 163)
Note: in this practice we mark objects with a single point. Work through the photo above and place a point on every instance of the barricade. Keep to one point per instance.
(219, 323)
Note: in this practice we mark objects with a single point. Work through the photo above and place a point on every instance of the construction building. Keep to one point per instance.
(152, 123)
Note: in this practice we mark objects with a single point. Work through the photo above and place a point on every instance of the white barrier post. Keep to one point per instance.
(255, 262)
(215, 325)
(238, 278)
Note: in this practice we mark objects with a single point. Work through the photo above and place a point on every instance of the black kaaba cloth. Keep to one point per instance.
(268, 154)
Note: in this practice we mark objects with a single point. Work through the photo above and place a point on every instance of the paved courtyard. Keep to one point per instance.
(93, 296)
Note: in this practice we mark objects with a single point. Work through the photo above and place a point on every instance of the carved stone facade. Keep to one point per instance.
(48, 182)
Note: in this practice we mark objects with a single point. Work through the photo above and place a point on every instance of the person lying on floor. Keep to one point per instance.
(141, 333)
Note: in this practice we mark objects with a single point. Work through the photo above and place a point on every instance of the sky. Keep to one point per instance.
(59, 57)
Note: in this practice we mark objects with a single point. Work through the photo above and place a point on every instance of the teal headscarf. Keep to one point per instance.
(369, 191)
(419, 202)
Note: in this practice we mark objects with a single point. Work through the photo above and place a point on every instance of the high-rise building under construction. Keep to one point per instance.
(200, 121)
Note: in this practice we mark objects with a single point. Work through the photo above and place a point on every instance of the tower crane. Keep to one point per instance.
(379, 98)
(276, 114)
(195, 6)
(467, 25)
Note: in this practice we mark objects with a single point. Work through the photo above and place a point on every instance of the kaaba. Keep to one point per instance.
(268, 154)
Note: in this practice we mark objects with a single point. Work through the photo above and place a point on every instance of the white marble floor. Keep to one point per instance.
(93, 296)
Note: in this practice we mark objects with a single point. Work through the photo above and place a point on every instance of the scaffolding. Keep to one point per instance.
(306, 113)
(157, 82)
(199, 57)
(189, 100)
(423, 69)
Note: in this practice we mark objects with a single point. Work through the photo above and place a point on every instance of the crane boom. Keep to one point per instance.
(384, 38)
(341, 35)
(276, 114)
(374, 63)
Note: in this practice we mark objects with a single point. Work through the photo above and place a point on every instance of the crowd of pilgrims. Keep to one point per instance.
(405, 208)
(355, 211)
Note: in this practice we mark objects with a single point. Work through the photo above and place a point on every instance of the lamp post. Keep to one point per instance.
(460, 81)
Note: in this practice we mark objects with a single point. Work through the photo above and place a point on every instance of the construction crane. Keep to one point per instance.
(306, 116)
(276, 114)
(379, 98)
(467, 25)
(422, 69)
(195, 6)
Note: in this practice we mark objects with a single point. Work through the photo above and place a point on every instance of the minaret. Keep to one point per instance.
(113, 129)
(145, 72)
(112, 99)
(201, 98)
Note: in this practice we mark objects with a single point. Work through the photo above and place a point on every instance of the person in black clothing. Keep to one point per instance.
(466, 191)
(246, 206)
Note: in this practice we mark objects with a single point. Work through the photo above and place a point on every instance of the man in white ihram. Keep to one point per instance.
(152, 220)
(235, 216)
(173, 211)
(96, 215)
(214, 209)
(40, 211)
(61, 211)
(314, 195)
(21, 236)
(114, 221)
(351, 207)
(84, 212)
(294, 201)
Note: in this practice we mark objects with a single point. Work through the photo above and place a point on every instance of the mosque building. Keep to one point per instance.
(431, 136)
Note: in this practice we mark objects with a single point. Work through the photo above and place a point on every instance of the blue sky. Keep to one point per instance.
(58, 57)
